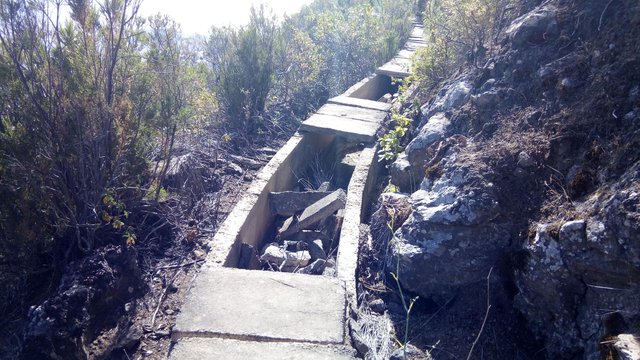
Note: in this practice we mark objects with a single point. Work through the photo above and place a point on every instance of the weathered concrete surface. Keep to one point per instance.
(262, 305)
(353, 130)
(364, 176)
(229, 349)
(287, 203)
(361, 103)
(372, 87)
(397, 67)
(352, 112)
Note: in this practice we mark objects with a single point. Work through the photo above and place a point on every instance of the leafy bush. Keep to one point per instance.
(391, 143)
(243, 59)
(458, 31)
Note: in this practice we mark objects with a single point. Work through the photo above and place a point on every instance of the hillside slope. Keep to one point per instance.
(529, 166)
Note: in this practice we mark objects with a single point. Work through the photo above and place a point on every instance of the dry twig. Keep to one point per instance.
(486, 315)
(164, 294)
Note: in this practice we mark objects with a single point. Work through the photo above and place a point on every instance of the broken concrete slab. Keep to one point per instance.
(288, 203)
(361, 103)
(263, 305)
(316, 212)
(352, 112)
(229, 349)
(352, 130)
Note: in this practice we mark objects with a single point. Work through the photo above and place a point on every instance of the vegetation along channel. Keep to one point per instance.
(374, 179)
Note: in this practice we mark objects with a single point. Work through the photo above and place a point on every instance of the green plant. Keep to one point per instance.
(391, 142)
(457, 31)
(391, 188)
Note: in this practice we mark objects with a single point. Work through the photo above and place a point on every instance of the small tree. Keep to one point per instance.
(246, 69)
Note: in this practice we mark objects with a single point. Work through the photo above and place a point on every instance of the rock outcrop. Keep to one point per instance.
(530, 166)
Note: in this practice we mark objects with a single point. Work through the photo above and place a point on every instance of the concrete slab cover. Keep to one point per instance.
(228, 349)
(263, 305)
(353, 112)
(363, 103)
(397, 67)
(404, 53)
(353, 130)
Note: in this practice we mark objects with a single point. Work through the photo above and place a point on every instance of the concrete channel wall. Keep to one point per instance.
(251, 217)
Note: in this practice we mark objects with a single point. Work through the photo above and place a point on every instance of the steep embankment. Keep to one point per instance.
(529, 166)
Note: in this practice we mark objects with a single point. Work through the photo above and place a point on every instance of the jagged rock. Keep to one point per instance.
(295, 260)
(534, 27)
(402, 174)
(486, 99)
(311, 235)
(232, 168)
(377, 306)
(412, 353)
(627, 347)
(246, 162)
(525, 160)
(574, 232)
(317, 212)
(315, 268)
(434, 130)
(274, 254)
(594, 264)
(452, 98)
(451, 222)
(71, 325)
(288, 203)
(316, 250)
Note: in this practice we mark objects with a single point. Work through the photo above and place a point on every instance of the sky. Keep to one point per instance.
(197, 16)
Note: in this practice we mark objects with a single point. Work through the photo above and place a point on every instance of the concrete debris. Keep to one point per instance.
(288, 203)
(317, 212)
(309, 234)
(627, 346)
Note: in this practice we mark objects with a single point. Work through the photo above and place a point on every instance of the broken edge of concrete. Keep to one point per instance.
(364, 176)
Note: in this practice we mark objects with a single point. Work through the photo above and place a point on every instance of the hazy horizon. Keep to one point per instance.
(198, 16)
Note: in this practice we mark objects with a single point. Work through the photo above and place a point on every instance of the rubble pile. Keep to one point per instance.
(307, 240)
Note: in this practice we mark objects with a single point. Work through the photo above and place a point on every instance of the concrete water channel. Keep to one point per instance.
(233, 313)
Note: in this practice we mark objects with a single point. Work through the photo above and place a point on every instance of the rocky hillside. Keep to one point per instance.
(527, 169)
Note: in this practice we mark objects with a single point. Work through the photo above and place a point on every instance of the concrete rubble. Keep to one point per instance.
(309, 233)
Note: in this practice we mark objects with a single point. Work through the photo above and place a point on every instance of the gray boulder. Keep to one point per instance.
(451, 222)
(434, 130)
(402, 174)
(487, 99)
(535, 27)
(452, 98)
(585, 266)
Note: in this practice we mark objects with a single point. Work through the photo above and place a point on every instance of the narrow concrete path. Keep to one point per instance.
(245, 314)
(231, 313)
